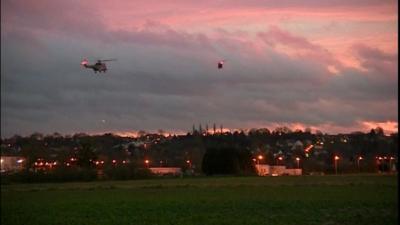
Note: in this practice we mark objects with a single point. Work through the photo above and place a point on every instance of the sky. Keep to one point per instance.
(325, 65)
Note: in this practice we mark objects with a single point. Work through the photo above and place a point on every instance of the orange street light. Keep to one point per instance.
(336, 160)
(260, 157)
(147, 162)
(390, 163)
(358, 162)
(378, 163)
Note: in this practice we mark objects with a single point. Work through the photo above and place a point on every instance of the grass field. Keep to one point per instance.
(328, 200)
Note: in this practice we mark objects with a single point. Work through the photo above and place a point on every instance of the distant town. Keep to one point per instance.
(199, 152)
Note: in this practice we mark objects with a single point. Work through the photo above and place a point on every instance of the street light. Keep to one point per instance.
(378, 163)
(336, 160)
(190, 163)
(358, 162)
(147, 162)
(390, 163)
(298, 162)
(280, 158)
(260, 157)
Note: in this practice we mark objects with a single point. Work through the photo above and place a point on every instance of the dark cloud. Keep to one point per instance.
(377, 60)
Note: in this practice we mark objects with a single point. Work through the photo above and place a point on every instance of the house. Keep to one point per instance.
(12, 163)
(262, 169)
(267, 170)
(175, 171)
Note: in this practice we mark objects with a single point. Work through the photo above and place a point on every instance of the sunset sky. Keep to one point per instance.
(327, 65)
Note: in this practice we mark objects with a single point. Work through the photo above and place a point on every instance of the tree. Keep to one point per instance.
(307, 130)
(141, 133)
(379, 131)
(227, 160)
(86, 154)
(161, 132)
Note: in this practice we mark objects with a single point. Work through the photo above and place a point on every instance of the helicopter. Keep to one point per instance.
(99, 66)
(221, 64)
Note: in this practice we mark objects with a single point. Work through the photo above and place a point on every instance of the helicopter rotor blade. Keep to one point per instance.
(107, 60)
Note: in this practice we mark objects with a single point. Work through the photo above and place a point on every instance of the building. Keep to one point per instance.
(262, 169)
(175, 171)
(267, 170)
(12, 163)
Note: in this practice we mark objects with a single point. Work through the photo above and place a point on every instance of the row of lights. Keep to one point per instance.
(384, 158)
(114, 162)
(148, 161)
(336, 159)
(280, 158)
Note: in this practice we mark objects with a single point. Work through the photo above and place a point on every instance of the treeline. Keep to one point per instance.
(207, 153)
(73, 174)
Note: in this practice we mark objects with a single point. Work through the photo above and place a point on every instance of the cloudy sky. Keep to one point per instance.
(327, 65)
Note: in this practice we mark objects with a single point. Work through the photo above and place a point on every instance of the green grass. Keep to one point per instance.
(223, 200)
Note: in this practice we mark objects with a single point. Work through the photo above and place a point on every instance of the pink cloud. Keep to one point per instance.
(300, 47)
(156, 33)
(211, 14)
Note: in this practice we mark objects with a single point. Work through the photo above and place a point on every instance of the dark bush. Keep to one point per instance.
(126, 172)
(56, 175)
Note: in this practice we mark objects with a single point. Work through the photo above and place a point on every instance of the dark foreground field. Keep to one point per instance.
(235, 200)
